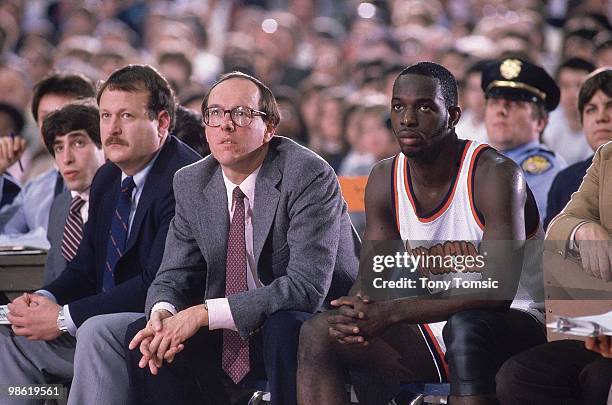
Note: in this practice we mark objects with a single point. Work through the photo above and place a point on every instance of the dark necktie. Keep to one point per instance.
(73, 230)
(235, 357)
(118, 233)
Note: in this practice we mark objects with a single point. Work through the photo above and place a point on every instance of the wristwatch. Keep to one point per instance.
(61, 321)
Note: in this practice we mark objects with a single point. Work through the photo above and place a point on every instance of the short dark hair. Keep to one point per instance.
(267, 101)
(136, 78)
(600, 79)
(435, 71)
(177, 57)
(70, 85)
(190, 129)
(575, 64)
(72, 117)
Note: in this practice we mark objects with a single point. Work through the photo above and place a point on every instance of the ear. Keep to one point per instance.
(541, 124)
(269, 133)
(454, 113)
(163, 123)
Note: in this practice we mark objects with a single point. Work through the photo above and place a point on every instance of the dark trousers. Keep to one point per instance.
(563, 372)
(478, 342)
(196, 376)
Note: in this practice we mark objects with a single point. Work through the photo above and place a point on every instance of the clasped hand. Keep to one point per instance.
(165, 334)
(34, 316)
(357, 319)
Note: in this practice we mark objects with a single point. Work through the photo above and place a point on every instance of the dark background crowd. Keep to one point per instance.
(331, 64)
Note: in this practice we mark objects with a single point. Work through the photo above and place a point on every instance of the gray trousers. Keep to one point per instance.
(100, 373)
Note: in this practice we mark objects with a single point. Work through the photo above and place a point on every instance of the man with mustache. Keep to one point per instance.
(131, 205)
(439, 190)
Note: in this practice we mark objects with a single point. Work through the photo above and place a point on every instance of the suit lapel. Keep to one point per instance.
(267, 196)
(213, 223)
(156, 175)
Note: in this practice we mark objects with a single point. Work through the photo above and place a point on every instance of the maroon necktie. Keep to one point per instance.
(73, 230)
(235, 356)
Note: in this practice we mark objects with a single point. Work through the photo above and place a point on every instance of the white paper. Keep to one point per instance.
(3, 312)
(591, 325)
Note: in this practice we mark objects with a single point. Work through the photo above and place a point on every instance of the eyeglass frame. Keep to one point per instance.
(254, 113)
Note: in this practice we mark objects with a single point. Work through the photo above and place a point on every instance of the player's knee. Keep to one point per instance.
(506, 379)
(313, 335)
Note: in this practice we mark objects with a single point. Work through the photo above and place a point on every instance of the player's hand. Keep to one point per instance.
(343, 321)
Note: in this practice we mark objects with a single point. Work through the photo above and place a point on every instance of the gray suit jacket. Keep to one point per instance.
(304, 245)
(56, 263)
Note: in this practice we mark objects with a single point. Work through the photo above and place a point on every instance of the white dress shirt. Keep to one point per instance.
(219, 313)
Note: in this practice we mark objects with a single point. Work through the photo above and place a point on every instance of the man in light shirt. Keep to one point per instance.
(261, 240)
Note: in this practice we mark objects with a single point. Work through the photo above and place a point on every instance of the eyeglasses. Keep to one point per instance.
(242, 116)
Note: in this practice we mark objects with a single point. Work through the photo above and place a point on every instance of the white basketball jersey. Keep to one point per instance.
(453, 226)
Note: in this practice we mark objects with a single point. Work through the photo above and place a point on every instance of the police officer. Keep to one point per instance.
(519, 96)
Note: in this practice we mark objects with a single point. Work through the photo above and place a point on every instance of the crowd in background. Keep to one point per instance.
(331, 64)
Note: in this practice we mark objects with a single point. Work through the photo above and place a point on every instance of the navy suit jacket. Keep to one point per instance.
(565, 183)
(80, 285)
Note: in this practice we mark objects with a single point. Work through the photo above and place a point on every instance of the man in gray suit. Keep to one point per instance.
(260, 241)
(72, 136)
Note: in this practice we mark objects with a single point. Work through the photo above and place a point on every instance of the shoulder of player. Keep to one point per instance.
(381, 172)
(494, 170)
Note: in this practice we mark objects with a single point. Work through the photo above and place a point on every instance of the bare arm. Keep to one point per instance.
(500, 195)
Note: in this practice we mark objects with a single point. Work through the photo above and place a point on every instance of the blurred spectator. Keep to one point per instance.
(291, 121)
(11, 120)
(564, 131)
(595, 108)
(328, 141)
(376, 135)
(579, 44)
(603, 49)
(176, 68)
(14, 85)
(190, 129)
(471, 124)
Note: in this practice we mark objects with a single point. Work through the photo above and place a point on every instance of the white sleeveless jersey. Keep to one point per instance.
(452, 228)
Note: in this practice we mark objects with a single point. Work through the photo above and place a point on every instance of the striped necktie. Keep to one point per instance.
(235, 354)
(73, 230)
(118, 233)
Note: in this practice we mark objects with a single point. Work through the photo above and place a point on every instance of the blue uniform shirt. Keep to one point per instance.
(30, 208)
(540, 166)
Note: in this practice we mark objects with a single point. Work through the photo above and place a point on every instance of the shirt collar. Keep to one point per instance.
(247, 186)
(141, 176)
(84, 194)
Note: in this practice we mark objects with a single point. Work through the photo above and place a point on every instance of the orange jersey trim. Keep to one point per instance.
(470, 189)
(448, 201)
(438, 348)
(396, 193)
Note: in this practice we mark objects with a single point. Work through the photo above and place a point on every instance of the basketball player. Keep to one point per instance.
(439, 188)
